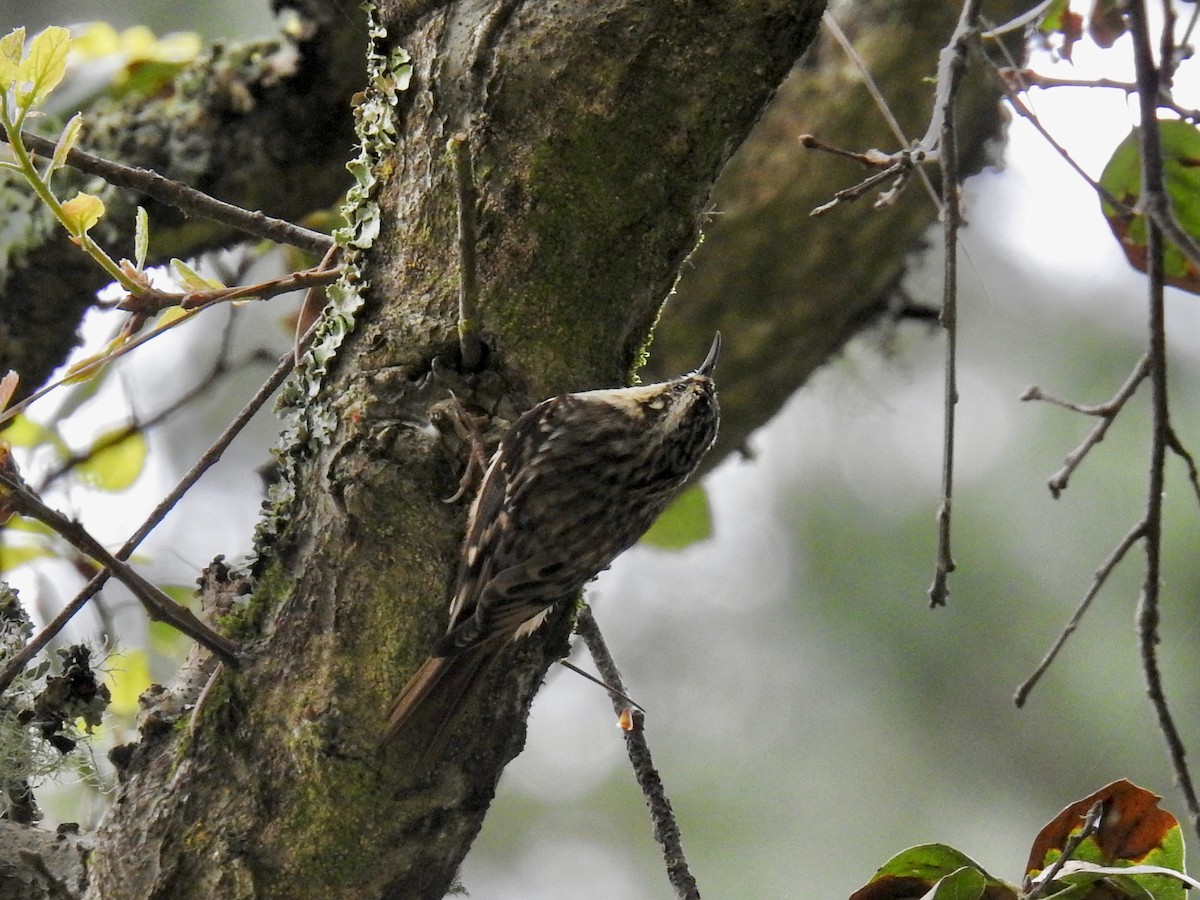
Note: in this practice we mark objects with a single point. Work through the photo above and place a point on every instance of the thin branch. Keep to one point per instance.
(1106, 412)
(202, 465)
(952, 66)
(188, 199)
(1098, 581)
(1154, 192)
(1091, 824)
(881, 103)
(666, 829)
(157, 604)
(588, 676)
(1181, 451)
(1004, 80)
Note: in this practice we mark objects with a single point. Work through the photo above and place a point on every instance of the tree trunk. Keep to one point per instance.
(596, 131)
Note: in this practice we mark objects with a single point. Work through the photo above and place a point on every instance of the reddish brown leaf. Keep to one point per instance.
(1106, 23)
(1132, 826)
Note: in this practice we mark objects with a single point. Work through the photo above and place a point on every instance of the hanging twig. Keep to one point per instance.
(1098, 581)
(1106, 412)
(1155, 199)
(953, 64)
(666, 829)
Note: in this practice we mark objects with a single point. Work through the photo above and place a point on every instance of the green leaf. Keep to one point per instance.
(82, 212)
(11, 47)
(191, 280)
(1122, 178)
(11, 557)
(926, 870)
(66, 142)
(25, 432)
(128, 676)
(40, 72)
(115, 461)
(141, 238)
(29, 526)
(685, 521)
(967, 883)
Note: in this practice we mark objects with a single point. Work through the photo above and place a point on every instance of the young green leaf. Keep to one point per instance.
(40, 72)
(66, 141)
(13, 556)
(685, 521)
(115, 461)
(12, 45)
(141, 238)
(25, 432)
(192, 280)
(128, 676)
(81, 213)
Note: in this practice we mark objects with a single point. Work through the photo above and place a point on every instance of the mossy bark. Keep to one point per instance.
(597, 130)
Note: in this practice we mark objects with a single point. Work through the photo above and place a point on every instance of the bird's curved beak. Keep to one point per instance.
(710, 361)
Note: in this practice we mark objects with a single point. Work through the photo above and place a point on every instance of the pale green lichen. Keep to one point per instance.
(308, 420)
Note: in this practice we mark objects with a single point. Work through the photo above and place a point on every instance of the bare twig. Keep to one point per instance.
(666, 829)
(952, 66)
(567, 664)
(877, 97)
(1004, 79)
(1098, 581)
(1106, 412)
(202, 465)
(1091, 824)
(157, 604)
(188, 199)
(1181, 451)
(1154, 193)
(153, 300)
(899, 169)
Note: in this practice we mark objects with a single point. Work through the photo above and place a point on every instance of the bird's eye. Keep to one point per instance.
(680, 388)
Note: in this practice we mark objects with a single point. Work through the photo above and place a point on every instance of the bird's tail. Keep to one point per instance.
(434, 697)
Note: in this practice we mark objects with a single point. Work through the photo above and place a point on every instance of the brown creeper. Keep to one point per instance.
(574, 482)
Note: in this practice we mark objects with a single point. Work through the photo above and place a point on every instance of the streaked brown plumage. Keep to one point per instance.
(574, 482)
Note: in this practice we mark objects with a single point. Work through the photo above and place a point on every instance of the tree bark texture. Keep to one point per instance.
(597, 130)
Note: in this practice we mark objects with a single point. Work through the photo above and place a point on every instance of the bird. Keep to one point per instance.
(574, 482)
